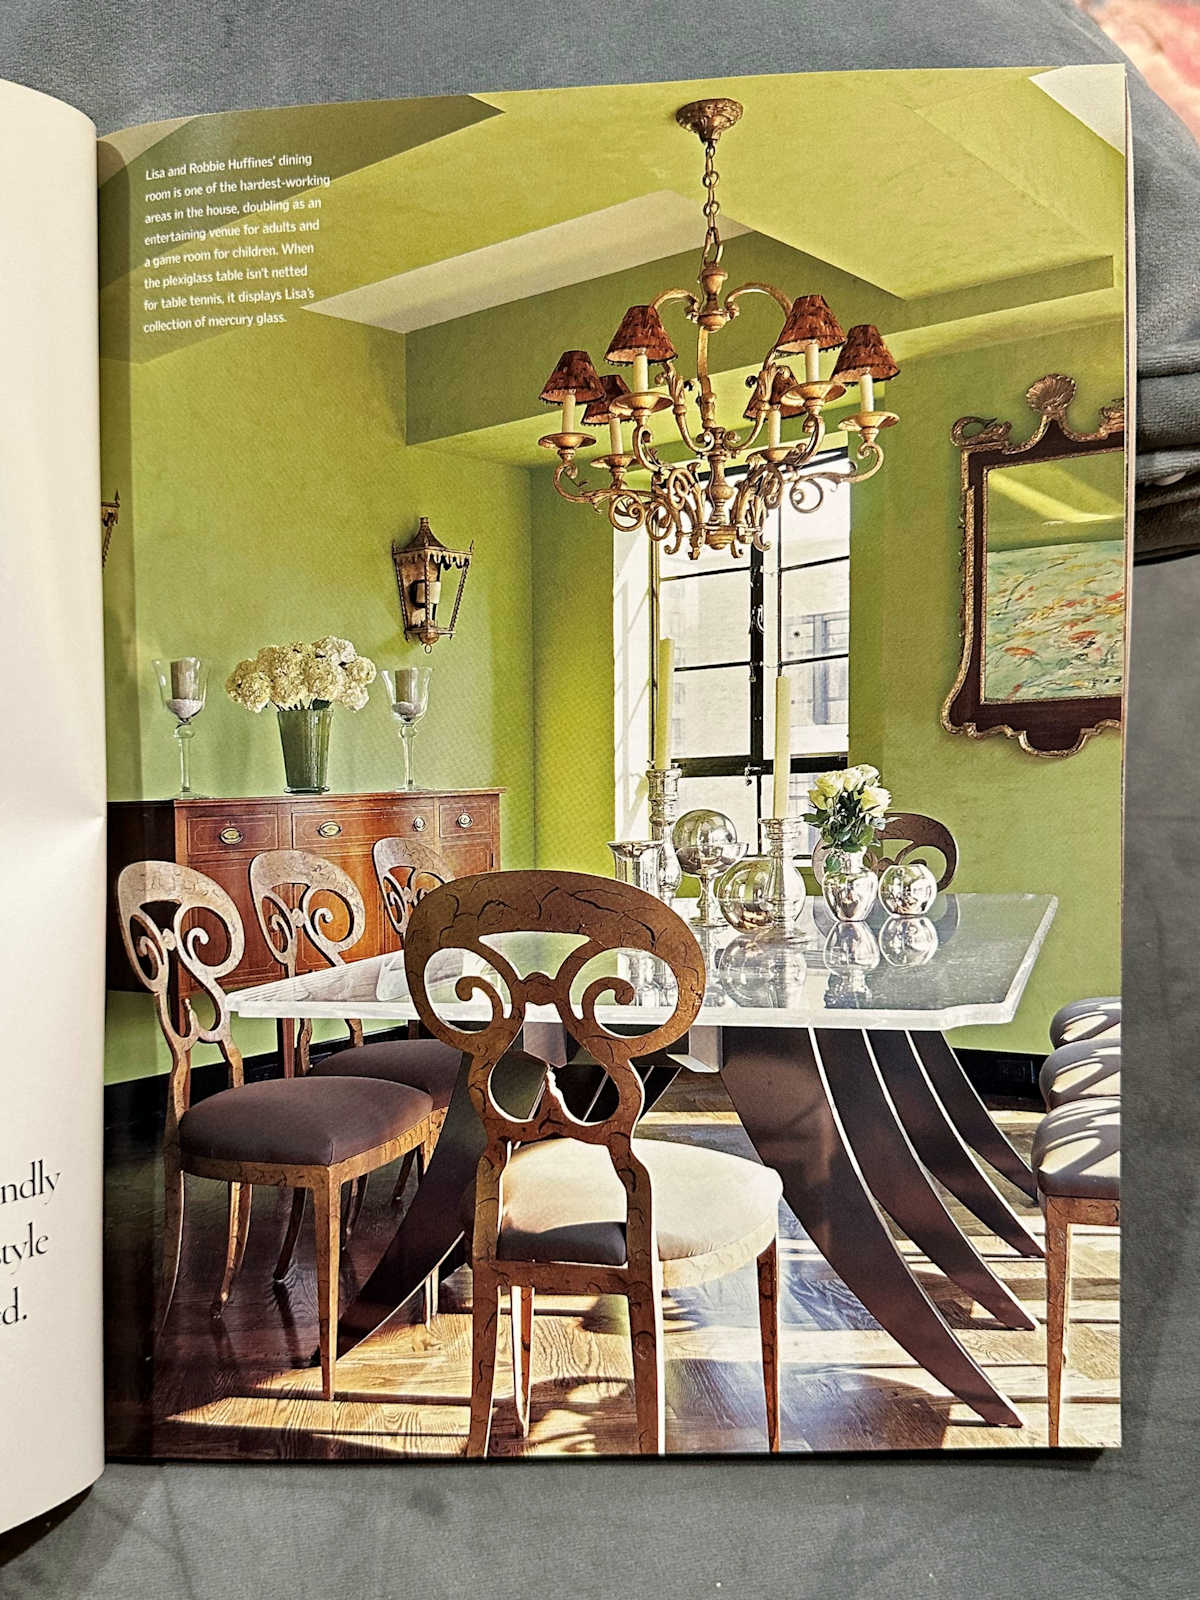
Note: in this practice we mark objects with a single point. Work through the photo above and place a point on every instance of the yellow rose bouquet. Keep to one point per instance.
(849, 808)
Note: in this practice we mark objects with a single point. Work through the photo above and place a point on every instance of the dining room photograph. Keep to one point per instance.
(615, 615)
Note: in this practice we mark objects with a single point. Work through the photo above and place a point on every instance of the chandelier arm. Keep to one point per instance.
(564, 474)
(807, 491)
(675, 294)
(804, 451)
(677, 387)
(644, 452)
(755, 287)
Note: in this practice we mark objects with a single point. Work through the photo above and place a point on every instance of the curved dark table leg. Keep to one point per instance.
(777, 1082)
(939, 1144)
(431, 1227)
(968, 1112)
(896, 1177)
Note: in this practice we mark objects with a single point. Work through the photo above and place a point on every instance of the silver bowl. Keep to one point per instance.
(706, 842)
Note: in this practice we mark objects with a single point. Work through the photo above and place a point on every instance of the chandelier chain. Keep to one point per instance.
(712, 207)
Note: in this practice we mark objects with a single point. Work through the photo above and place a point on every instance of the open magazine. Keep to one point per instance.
(562, 808)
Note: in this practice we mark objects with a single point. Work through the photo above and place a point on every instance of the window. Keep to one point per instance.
(735, 626)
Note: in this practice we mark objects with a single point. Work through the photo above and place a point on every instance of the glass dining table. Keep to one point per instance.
(831, 1045)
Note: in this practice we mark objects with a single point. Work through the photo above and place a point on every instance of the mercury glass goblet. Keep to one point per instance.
(183, 686)
(408, 692)
(706, 842)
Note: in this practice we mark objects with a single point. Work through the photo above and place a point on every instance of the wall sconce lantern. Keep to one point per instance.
(110, 512)
(421, 565)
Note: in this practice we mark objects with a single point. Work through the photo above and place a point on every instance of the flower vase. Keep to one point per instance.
(848, 885)
(304, 735)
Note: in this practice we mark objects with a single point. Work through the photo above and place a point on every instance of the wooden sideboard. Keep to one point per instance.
(221, 837)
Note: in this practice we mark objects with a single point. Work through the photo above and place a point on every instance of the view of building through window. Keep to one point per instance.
(736, 625)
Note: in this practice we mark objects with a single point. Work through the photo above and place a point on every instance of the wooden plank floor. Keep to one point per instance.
(239, 1387)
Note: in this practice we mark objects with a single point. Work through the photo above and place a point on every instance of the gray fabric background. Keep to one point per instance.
(989, 1527)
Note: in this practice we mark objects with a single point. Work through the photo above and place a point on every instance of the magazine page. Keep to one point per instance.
(615, 674)
(52, 815)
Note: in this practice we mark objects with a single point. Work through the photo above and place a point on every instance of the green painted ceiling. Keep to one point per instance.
(948, 206)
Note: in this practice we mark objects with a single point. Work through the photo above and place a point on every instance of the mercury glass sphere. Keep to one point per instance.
(705, 840)
(744, 893)
(907, 889)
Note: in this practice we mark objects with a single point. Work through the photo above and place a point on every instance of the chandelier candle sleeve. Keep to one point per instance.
(783, 744)
(664, 704)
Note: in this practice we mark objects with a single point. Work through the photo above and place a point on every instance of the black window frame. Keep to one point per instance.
(758, 762)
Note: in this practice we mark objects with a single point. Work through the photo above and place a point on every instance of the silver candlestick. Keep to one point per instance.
(663, 786)
(785, 894)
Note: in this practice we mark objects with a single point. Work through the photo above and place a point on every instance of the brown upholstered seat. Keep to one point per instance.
(301, 1121)
(1088, 1069)
(1077, 1151)
(1098, 1017)
(425, 1064)
(562, 1201)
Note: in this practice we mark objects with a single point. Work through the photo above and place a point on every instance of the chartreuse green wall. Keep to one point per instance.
(1022, 822)
(268, 479)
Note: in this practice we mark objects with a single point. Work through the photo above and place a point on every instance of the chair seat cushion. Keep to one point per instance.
(425, 1064)
(1077, 1151)
(562, 1201)
(307, 1122)
(1096, 1018)
(1087, 1069)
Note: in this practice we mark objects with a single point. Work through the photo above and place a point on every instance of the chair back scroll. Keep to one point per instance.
(406, 870)
(605, 916)
(162, 908)
(285, 925)
(916, 835)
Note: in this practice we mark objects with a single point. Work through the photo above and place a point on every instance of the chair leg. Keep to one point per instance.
(285, 1034)
(1058, 1289)
(432, 1296)
(172, 1241)
(327, 1210)
(521, 1310)
(299, 1196)
(240, 1195)
(355, 1030)
(303, 1041)
(406, 1167)
(768, 1322)
(358, 1193)
(485, 1316)
(646, 1336)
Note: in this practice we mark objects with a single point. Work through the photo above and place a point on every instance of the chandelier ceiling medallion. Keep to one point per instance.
(694, 502)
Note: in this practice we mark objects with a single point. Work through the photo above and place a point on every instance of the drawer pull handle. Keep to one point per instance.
(418, 824)
(464, 819)
(231, 835)
(329, 830)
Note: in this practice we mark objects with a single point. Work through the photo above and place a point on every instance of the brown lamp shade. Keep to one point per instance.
(601, 410)
(810, 319)
(864, 352)
(575, 375)
(641, 334)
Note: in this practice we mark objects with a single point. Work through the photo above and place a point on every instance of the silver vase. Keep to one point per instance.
(849, 887)
(907, 889)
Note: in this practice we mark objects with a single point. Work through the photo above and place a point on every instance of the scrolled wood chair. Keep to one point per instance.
(304, 914)
(916, 836)
(1077, 1161)
(406, 869)
(584, 1207)
(297, 1133)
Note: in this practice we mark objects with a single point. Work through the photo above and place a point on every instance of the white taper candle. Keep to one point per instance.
(664, 703)
(783, 744)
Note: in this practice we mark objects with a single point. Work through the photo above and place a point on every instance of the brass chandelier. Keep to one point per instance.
(694, 502)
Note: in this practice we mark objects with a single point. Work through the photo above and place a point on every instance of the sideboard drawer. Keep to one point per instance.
(468, 814)
(339, 828)
(237, 830)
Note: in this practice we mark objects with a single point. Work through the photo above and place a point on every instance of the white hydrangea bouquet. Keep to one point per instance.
(294, 677)
(849, 808)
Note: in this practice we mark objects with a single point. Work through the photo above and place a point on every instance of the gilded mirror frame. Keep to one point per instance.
(1042, 727)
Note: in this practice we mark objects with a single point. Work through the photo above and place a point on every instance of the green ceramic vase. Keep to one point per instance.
(304, 735)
